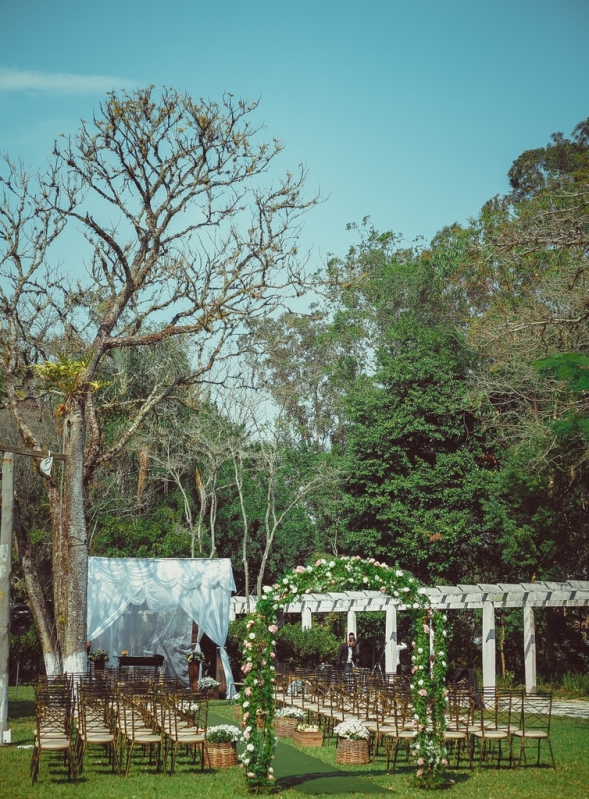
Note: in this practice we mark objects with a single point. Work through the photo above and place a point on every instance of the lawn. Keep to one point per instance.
(570, 781)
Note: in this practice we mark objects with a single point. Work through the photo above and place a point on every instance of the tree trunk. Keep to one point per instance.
(70, 592)
(39, 608)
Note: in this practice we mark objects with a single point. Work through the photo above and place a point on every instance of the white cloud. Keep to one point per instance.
(16, 80)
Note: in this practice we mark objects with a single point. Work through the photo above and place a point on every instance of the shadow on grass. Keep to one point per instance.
(21, 709)
(298, 779)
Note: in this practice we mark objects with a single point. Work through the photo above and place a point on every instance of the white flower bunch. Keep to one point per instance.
(208, 682)
(351, 731)
(290, 713)
(223, 733)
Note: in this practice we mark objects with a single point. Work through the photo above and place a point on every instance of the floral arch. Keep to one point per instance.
(429, 659)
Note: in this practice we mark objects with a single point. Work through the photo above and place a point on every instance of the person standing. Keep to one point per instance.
(348, 653)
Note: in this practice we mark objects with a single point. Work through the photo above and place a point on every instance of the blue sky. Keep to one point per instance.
(410, 112)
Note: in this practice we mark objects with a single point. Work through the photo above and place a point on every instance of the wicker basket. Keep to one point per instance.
(307, 738)
(237, 712)
(285, 727)
(352, 753)
(221, 755)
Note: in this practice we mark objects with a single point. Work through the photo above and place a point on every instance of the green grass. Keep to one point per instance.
(571, 780)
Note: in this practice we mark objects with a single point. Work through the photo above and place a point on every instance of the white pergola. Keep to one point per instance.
(482, 596)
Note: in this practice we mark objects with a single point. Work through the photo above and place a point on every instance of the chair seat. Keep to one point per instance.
(54, 744)
(146, 738)
(455, 735)
(536, 734)
(98, 738)
(496, 735)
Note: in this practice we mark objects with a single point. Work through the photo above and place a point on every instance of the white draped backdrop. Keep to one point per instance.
(146, 606)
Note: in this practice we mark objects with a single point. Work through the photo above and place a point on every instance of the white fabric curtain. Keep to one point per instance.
(126, 592)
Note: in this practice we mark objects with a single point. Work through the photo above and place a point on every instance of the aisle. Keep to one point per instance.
(307, 774)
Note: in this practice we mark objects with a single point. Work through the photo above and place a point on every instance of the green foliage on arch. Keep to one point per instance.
(429, 660)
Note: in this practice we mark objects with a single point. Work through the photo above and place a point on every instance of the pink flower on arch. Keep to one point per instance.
(272, 629)
(420, 761)
(248, 691)
(272, 654)
(422, 692)
(419, 772)
(250, 623)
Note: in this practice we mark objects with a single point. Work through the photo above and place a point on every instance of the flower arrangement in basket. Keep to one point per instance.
(287, 719)
(195, 657)
(98, 654)
(209, 686)
(221, 745)
(352, 748)
(308, 735)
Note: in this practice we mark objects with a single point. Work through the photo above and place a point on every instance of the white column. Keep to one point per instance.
(306, 618)
(352, 622)
(530, 649)
(488, 645)
(391, 653)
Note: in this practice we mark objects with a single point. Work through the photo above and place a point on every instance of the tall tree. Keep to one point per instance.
(182, 239)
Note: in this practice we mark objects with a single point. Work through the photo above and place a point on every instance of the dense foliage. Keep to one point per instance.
(431, 408)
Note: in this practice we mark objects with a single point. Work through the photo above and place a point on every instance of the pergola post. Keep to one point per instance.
(351, 622)
(391, 653)
(488, 645)
(306, 618)
(530, 649)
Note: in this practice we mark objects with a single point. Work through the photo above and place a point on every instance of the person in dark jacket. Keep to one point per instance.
(349, 653)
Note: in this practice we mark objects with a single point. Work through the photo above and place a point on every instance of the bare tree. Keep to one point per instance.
(180, 238)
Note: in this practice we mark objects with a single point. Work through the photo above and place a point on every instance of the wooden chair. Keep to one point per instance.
(495, 723)
(459, 720)
(535, 725)
(96, 727)
(138, 727)
(184, 726)
(53, 731)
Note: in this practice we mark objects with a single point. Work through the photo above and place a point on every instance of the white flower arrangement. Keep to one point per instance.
(195, 657)
(352, 731)
(98, 654)
(207, 682)
(307, 728)
(223, 734)
(290, 713)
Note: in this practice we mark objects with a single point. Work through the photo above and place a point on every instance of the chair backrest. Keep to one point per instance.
(537, 712)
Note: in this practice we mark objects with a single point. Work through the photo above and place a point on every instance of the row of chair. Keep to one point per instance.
(118, 716)
(476, 723)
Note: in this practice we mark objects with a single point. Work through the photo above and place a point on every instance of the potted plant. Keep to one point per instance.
(287, 719)
(352, 747)
(194, 658)
(209, 686)
(308, 735)
(221, 751)
(99, 657)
